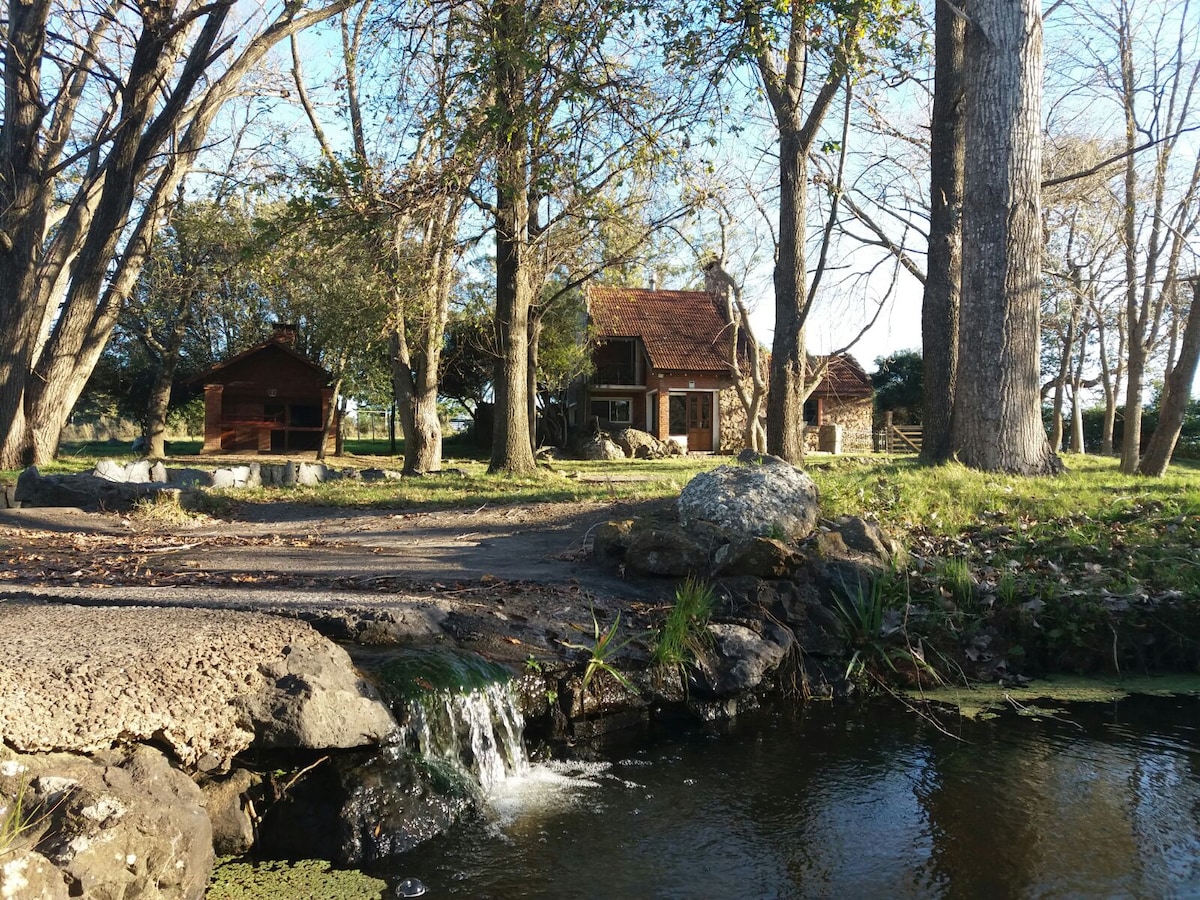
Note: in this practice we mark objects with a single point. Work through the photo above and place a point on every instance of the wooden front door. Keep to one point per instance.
(699, 421)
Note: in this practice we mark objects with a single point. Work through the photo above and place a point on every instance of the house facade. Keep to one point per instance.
(267, 399)
(661, 364)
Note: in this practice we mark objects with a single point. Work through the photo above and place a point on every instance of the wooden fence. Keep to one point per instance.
(901, 438)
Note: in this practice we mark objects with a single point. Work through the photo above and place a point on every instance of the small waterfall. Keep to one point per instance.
(460, 715)
(476, 733)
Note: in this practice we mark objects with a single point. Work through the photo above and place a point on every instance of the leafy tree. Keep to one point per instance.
(899, 386)
(568, 114)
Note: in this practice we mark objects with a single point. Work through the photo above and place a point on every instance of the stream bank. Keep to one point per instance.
(794, 626)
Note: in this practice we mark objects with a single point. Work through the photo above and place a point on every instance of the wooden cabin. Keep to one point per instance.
(267, 399)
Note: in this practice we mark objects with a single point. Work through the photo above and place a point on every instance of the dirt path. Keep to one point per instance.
(513, 579)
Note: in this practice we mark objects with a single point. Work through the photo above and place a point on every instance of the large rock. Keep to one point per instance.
(226, 804)
(204, 683)
(359, 811)
(643, 445)
(314, 698)
(90, 492)
(125, 825)
(600, 447)
(761, 556)
(764, 497)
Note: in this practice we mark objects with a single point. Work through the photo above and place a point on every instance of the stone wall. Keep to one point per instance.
(855, 418)
(733, 422)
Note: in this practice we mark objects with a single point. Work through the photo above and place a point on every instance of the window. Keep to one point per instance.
(812, 411)
(677, 413)
(616, 362)
(618, 412)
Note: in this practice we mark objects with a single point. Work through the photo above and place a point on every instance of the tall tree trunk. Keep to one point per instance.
(24, 202)
(535, 341)
(512, 443)
(331, 416)
(155, 429)
(997, 420)
(785, 402)
(1177, 391)
(943, 280)
(1064, 364)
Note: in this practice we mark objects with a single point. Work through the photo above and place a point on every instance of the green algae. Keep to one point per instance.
(416, 673)
(987, 700)
(235, 879)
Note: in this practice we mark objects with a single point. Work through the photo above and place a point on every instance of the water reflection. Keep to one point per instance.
(1104, 802)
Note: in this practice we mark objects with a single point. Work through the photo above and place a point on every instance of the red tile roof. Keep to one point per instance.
(845, 379)
(681, 330)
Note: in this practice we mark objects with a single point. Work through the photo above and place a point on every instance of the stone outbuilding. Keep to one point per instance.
(267, 399)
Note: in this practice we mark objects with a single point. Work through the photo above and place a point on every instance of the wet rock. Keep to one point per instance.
(738, 659)
(771, 499)
(359, 811)
(817, 629)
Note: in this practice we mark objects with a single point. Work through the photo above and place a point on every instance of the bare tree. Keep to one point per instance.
(1153, 79)
(410, 219)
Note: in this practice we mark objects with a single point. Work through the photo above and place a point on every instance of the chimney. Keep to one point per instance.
(654, 281)
(715, 281)
(284, 333)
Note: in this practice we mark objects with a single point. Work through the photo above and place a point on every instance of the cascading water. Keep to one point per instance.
(477, 734)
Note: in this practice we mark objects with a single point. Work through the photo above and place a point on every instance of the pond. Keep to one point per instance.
(1099, 800)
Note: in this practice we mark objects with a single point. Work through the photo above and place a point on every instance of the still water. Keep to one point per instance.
(1102, 801)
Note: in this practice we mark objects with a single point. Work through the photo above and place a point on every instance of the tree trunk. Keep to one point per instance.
(785, 402)
(1064, 365)
(331, 416)
(535, 340)
(997, 421)
(1177, 391)
(155, 431)
(24, 206)
(943, 279)
(512, 443)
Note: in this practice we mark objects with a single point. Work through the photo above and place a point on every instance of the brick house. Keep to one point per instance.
(660, 364)
(267, 399)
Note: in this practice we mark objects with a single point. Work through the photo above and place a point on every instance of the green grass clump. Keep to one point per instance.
(601, 653)
(685, 631)
(16, 818)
